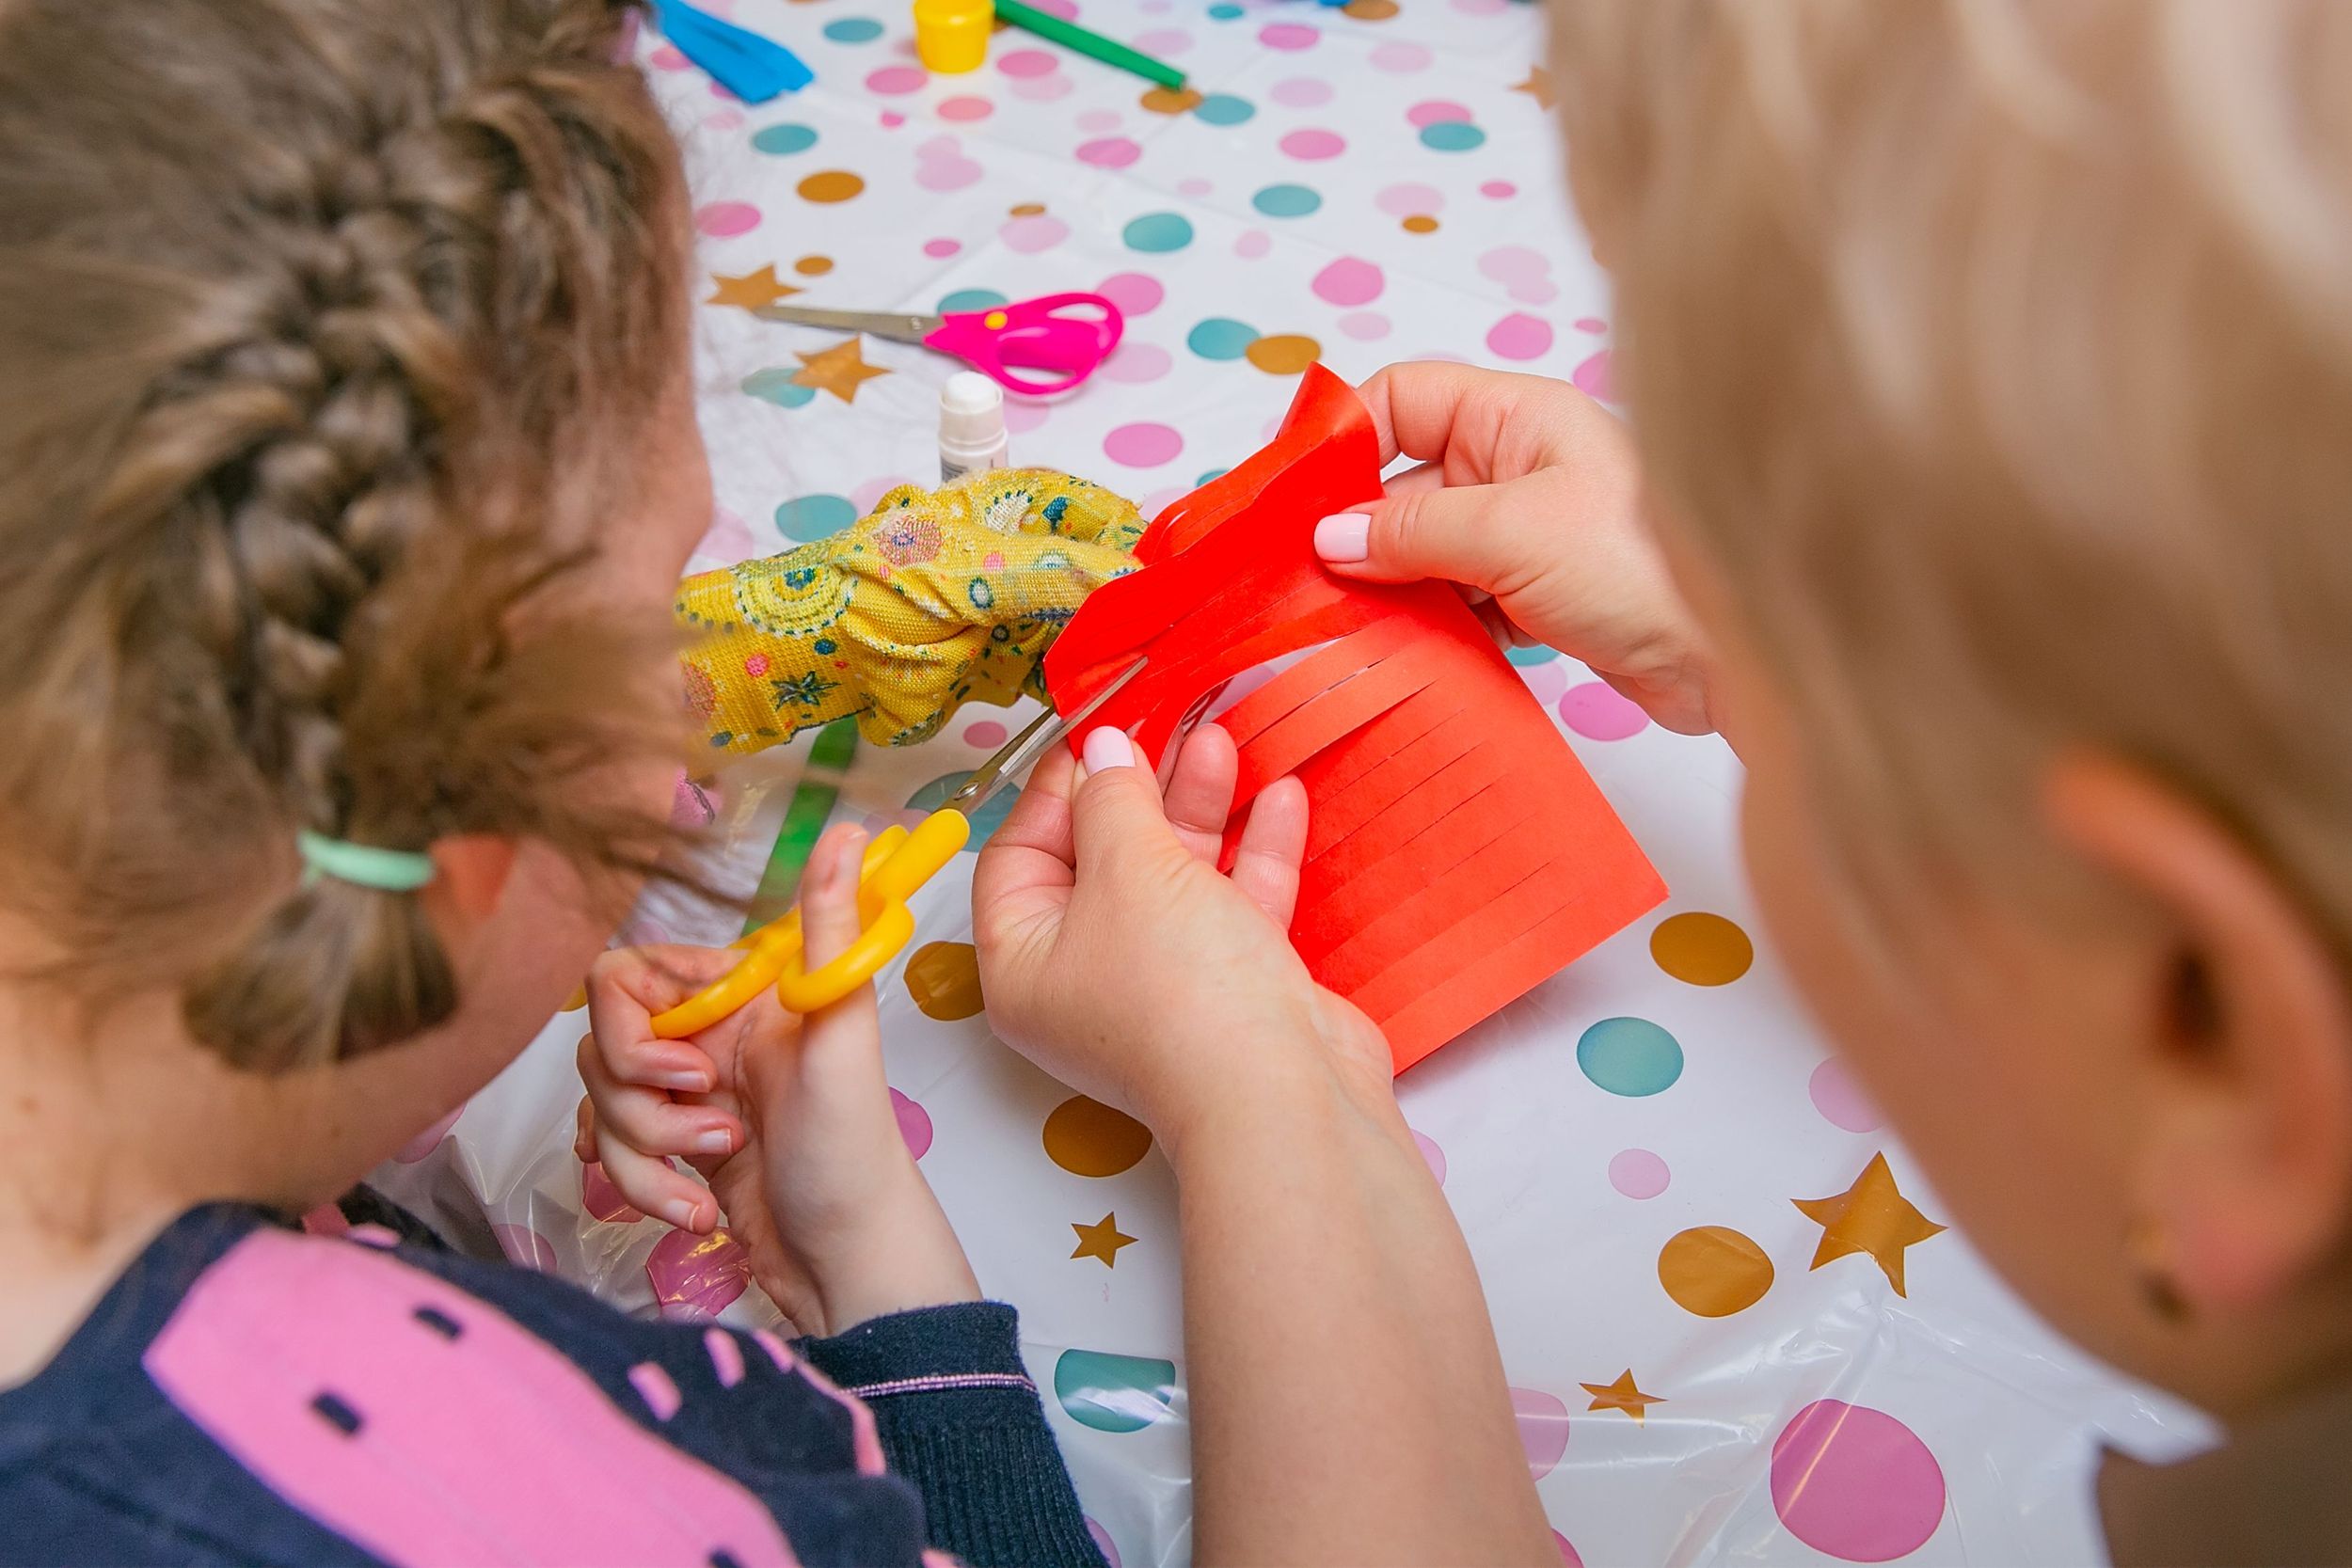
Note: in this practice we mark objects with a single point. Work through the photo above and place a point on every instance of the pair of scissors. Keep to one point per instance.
(1066, 335)
(896, 863)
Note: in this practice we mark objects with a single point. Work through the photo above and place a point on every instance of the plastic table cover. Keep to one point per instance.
(1734, 1331)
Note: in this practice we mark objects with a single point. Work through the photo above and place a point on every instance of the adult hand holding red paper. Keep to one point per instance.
(1458, 854)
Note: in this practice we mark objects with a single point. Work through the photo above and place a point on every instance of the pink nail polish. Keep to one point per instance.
(1106, 747)
(1344, 537)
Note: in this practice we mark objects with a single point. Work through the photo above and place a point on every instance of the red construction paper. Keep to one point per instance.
(1458, 855)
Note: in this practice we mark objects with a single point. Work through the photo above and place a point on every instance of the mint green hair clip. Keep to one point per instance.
(361, 865)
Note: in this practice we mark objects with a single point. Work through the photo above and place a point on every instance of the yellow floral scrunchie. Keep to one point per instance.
(933, 599)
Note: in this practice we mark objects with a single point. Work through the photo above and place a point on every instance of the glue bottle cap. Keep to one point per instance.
(971, 408)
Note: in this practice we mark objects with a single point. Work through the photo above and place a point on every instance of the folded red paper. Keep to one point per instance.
(1458, 854)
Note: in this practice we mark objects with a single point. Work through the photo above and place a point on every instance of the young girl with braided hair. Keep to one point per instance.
(349, 467)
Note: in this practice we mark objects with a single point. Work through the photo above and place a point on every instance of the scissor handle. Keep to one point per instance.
(1070, 335)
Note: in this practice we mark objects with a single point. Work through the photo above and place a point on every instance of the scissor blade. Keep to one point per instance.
(879, 324)
(1045, 731)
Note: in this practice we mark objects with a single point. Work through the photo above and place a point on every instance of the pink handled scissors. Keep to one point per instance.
(1065, 336)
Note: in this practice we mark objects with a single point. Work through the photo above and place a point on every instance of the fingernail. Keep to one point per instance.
(680, 1211)
(1343, 537)
(1106, 747)
(685, 1081)
(849, 851)
(715, 1140)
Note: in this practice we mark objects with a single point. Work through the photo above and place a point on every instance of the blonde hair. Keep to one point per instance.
(2002, 356)
(316, 315)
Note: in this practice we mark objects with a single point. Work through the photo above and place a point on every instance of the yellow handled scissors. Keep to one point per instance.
(896, 863)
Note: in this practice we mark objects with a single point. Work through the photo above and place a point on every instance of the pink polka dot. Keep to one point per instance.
(1026, 62)
(1436, 110)
(724, 93)
(986, 734)
(914, 1123)
(868, 495)
(1431, 1155)
(1590, 324)
(1593, 379)
(668, 58)
(1481, 7)
(723, 220)
(1300, 92)
(966, 108)
(1102, 1542)
(1501, 190)
(1595, 711)
(1403, 202)
(695, 1276)
(1109, 153)
(428, 1141)
(520, 1243)
(942, 246)
(1547, 680)
(723, 120)
(890, 119)
(1568, 1553)
(1288, 35)
(1349, 280)
(1136, 294)
(1840, 1100)
(1024, 414)
(1164, 42)
(1365, 326)
(1312, 145)
(1399, 56)
(1638, 1173)
(1856, 1482)
(1098, 120)
(891, 81)
(1252, 244)
(1066, 10)
(1512, 263)
(1135, 363)
(1543, 1428)
(1520, 336)
(1193, 186)
(601, 1199)
(1029, 235)
(1142, 446)
(950, 172)
(1041, 90)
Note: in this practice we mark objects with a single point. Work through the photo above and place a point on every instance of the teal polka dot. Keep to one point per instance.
(1208, 474)
(985, 822)
(853, 29)
(1630, 1057)
(1286, 201)
(780, 139)
(809, 519)
(1536, 654)
(1114, 1393)
(970, 299)
(1452, 135)
(1158, 232)
(1223, 13)
(1221, 338)
(1223, 108)
(777, 387)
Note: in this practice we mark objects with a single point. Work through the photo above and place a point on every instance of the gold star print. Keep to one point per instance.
(1537, 85)
(750, 290)
(1869, 1216)
(1101, 1241)
(838, 370)
(1620, 1395)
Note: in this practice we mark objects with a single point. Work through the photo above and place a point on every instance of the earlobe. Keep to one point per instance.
(2243, 1079)
(471, 877)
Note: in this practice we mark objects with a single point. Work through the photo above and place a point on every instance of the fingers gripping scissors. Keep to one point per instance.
(896, 863)
(1065, 336)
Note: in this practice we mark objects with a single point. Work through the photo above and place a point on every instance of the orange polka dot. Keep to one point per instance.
(1027, 208)
(1713, 1271)
(1370, 10)
(1087, 1137)
(1701, 949)
(1286, 354)
(943, 977)
(833, 184)
(813, 266)
(1421, 223)
(1171, 100)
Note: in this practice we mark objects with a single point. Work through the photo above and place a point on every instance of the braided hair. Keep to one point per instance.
(321, 323)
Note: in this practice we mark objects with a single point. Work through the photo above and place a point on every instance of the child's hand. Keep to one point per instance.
(1529, 491)
(788, 1119)
(1114, 954)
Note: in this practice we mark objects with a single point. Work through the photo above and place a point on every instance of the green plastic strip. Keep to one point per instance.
(803, 821)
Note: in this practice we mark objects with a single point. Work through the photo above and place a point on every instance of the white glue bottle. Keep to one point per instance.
(971, 426)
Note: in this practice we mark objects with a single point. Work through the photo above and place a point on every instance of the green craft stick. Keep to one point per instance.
(803, 821)
(1093, 44)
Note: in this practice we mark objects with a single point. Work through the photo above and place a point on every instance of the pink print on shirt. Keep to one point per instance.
(428, 1428)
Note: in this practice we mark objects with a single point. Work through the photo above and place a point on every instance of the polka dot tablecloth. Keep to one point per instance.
(1736, 1322)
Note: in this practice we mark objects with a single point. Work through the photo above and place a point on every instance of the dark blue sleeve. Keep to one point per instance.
(961, 1419)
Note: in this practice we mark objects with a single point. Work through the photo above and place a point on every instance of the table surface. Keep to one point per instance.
(1705, 1370)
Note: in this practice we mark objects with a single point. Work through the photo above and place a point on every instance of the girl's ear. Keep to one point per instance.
(470, 873)
(2241, 1078)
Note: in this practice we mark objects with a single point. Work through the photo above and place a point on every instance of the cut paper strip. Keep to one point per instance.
(1458, 854)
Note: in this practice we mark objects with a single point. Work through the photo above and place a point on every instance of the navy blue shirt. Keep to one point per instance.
(248, 1394)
